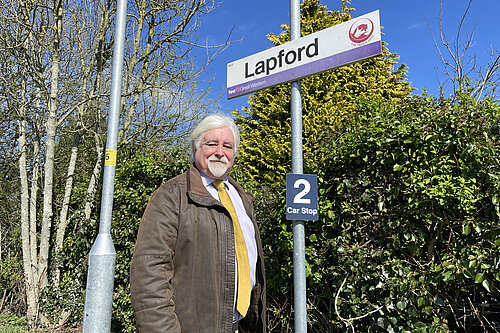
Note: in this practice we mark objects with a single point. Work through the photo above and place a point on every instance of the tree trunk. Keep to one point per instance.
(35, 177)
(50, 128)
(29, 277)
(63, 216)
(94, 179)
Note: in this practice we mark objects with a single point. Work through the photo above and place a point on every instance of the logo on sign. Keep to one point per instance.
(361, 30)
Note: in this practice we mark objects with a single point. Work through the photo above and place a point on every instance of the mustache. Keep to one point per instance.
(216, 159)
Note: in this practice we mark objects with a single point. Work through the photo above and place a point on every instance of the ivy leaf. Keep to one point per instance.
(397, 167)
(466, 229)
(487, 284)
(479, 278)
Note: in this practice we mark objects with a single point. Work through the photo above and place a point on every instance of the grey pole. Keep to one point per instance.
(102, 256)
(299, 260)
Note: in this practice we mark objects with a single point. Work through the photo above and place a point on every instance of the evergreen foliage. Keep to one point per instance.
(327, 99)
(408, 237)
(410, 218)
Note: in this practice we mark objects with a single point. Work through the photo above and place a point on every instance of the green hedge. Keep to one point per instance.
(408, 235)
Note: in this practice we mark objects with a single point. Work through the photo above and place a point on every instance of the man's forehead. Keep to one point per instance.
(207, 139)
(219, 135)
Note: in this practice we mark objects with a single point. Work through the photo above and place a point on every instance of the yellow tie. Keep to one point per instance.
(243, 298)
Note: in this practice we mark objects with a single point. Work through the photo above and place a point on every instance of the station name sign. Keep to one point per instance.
(339, 45)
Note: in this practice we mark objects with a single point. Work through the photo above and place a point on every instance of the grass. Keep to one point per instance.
(10, 323)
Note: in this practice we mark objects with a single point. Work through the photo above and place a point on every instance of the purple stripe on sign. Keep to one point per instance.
(336, 60)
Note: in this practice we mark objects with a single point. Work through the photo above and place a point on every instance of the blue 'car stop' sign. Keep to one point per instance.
(301, 197)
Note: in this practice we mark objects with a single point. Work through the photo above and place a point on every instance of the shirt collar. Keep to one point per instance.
(209, 180)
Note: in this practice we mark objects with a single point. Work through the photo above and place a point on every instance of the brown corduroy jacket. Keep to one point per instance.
(182, 269)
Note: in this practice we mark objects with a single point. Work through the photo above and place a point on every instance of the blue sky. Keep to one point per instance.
(405, 29)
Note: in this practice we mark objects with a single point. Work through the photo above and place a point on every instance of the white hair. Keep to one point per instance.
(213, 121)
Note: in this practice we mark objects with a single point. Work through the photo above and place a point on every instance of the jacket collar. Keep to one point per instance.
(194, 182)
(196, 187)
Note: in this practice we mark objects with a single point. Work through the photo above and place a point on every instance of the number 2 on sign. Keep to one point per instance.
(299, 197)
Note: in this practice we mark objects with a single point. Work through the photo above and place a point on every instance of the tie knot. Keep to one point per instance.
(219, 185)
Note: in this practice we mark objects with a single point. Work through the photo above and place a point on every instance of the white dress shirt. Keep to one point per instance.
(246, 227)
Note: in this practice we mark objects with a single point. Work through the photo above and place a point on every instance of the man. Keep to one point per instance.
(198, 263)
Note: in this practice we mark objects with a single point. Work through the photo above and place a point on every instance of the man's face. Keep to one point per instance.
(215, 157)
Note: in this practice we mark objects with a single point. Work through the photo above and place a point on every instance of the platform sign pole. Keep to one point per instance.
(299, 261)
(102, 256)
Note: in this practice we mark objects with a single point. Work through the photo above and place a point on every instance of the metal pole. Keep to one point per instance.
(102, 256)
(299, 260)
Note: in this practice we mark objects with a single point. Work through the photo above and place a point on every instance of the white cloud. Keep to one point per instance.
(416, 26)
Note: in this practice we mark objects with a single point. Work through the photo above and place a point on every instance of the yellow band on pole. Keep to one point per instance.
(110, 157)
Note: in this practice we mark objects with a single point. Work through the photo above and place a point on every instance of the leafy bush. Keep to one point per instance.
(11, 275)
(10, 272)
(408, 236)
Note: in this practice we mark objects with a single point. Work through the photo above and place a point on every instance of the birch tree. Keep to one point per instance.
(56, 69)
